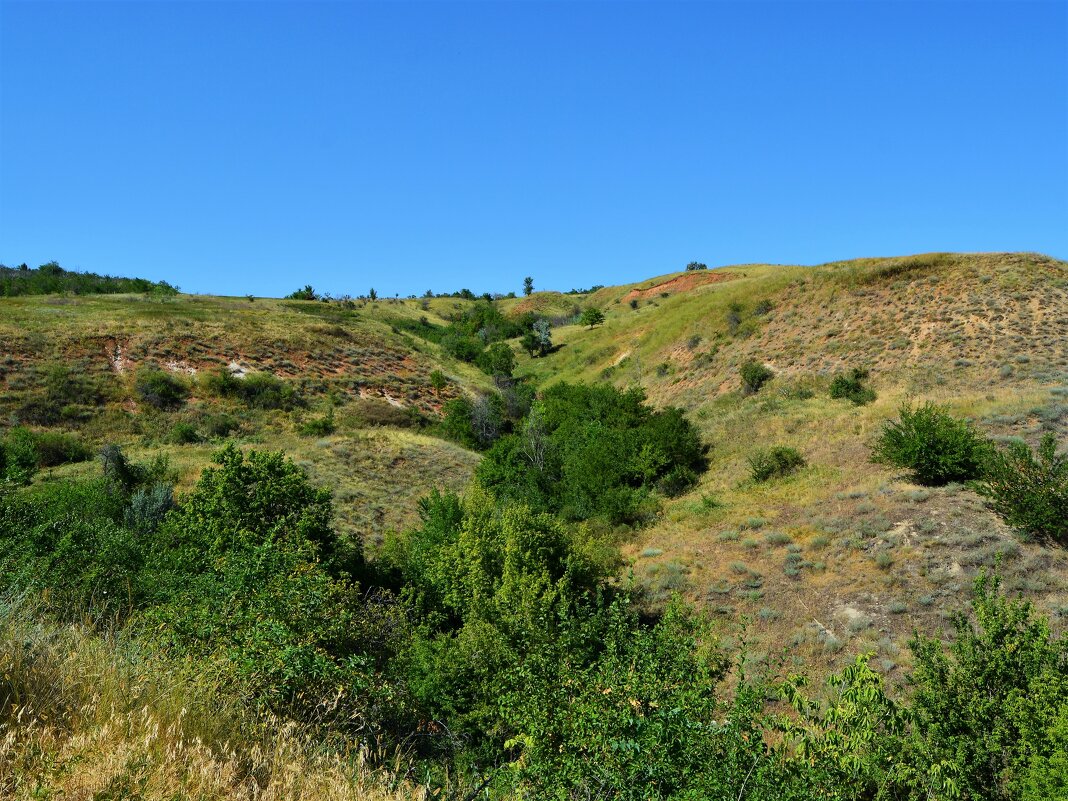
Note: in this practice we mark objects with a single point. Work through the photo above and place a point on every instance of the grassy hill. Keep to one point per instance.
(984, 334)
(842, 558)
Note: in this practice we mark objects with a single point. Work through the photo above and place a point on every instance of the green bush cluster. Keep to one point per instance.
(51, 279)
(477, 336)
(257, 390)
(1029, 490)
(160, 389)
(594, 451)
(24, 451)
(935, 446)
(493, 642)
(776, 462)
(754, 376)
(851, 387)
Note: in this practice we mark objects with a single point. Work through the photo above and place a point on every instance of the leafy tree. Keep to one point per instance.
(372, 294)
(935, 446)
(438, 380)
(543, 332)
(591, 316)
(497, 360)
(1029, 491)
(528, 285)
(696, 265)
(988, 707)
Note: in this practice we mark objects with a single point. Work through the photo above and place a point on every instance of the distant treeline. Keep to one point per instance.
(51, 279)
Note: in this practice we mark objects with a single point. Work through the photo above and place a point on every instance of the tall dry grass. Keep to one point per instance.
(87, 716)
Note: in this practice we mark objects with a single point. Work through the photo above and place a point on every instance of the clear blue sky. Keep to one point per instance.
(255, 147)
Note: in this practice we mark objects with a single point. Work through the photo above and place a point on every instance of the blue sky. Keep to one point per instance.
(256, 147)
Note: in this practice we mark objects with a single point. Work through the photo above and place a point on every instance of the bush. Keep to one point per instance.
(935, 446)
(258, 390)
(594, 452)
(220, 425)
(851, 387)
(160, 389)
(754, 376)
(318, 426)
(1029, 491)
(55, 448)
(696, 265)
(376, 412)
(497, 360)
(775, 463)
(183, 434)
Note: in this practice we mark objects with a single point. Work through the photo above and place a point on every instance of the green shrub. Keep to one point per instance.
(935, 446)
(497, 360)
(220, 425)
(55, 448)
(1029, 491)
(182, 433)
(258, 390)
(754, 376)
(774, 463)
(318, 426)
(160, 389)
(20, 455)
(594, 452)
(851, 387)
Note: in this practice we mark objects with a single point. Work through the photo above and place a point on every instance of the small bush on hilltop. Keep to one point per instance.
(775, 462)
(935, 446)
(1029, 491)
(851, 387)
(754, 377)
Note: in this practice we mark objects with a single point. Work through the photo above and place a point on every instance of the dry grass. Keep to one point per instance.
(87, 718)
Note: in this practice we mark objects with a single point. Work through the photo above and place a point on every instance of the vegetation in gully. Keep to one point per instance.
(190, 608)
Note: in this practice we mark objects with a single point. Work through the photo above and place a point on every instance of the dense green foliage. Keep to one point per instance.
(934, 445)
(775, 462)
(493, 640)
(23, 452)
(51, 279)
(258, 390)
(754, 377)
(595, 451)
(851, 387)
(1030, 490)
(160, 389)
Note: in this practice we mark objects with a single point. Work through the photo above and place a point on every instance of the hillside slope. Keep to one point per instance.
(847, 556)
